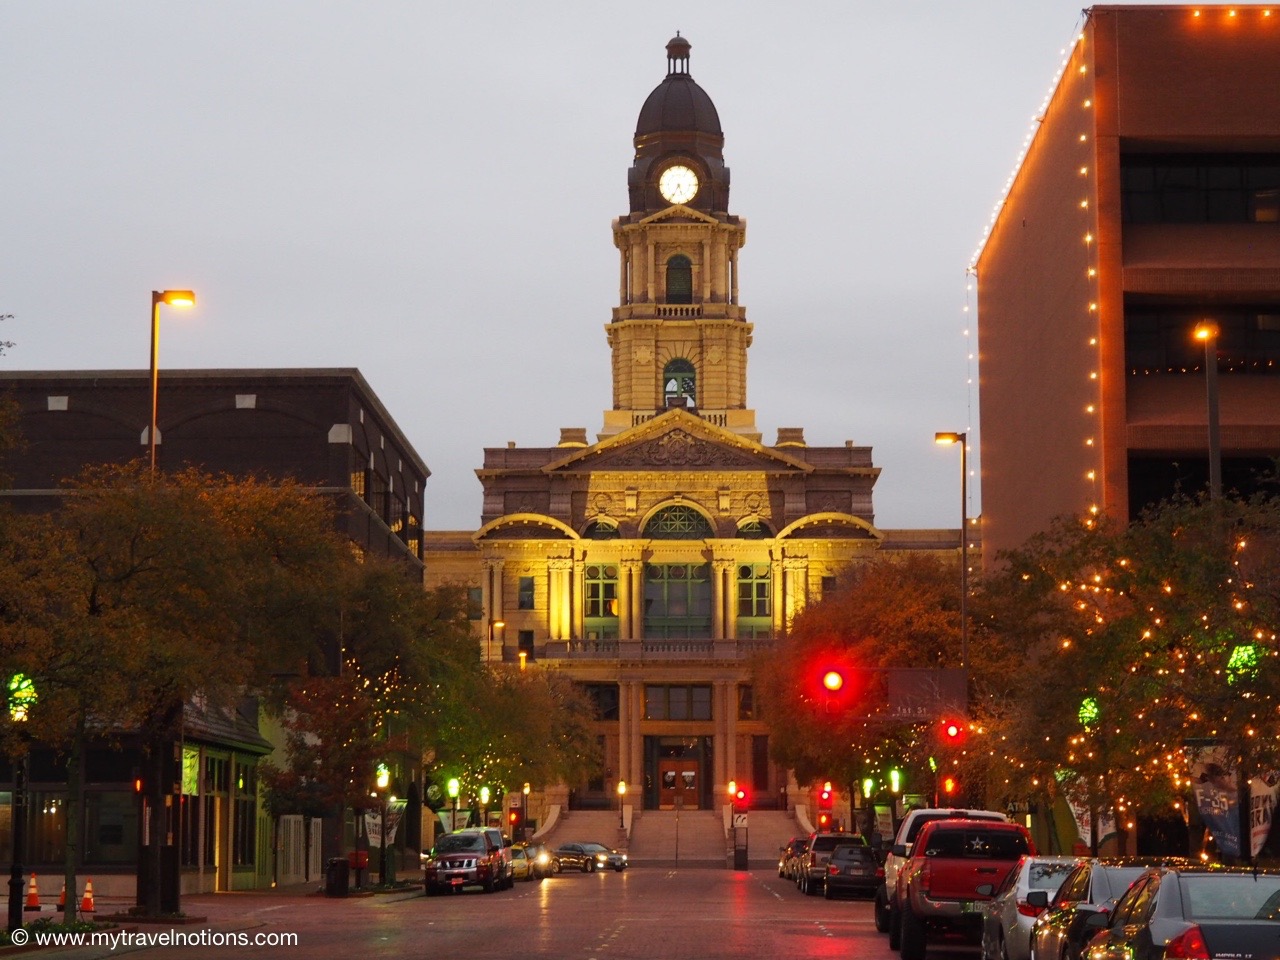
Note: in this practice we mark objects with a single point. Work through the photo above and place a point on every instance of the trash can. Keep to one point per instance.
(337, 877)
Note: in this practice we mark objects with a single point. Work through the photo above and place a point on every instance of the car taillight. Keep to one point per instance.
(1027, 910)
(1188, 945)
(924, 877)
(832, 869)
(879, 873)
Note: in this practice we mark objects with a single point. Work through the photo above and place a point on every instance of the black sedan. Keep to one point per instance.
(852, 869)
(577, 856)
(1193, 912)
(1094, 886)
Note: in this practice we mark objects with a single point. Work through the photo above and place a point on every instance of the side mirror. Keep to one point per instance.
(985, 889)
(899, 849)
(1038, 898)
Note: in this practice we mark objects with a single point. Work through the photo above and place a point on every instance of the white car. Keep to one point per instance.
(1007, 917)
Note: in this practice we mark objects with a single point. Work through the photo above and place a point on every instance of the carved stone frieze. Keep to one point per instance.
(680, 449)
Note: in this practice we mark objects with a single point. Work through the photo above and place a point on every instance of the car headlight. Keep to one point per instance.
(544, 857)
(601, 857)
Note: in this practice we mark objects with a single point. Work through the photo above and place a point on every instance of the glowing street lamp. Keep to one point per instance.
(622, 793)
(494, 626)
(383, 781)
(174, 298)
(946, 439)
(452, 788)
(1208, 331)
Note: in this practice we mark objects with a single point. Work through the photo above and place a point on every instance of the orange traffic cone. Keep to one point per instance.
(86, 902)
(62, 898)
(33, 895)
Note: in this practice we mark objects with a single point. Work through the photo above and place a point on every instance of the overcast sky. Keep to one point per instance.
(424, 190)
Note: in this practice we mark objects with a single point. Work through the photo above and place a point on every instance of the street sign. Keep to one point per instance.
(739, 821)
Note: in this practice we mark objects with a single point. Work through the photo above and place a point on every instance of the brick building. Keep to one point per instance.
(324, 428)
(1148, 201)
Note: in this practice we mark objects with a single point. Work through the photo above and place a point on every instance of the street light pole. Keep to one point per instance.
(20, 695)
(622, 795)
(175, 298)
(1207, 331)
(383, 781)
(963, 440)
(494, 625)
(452, 787)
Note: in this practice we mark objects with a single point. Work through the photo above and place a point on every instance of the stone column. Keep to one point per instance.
(637, 739)
(796, 571)
(652, 290)
(718, 569)
(559, 598)
(579, 595)
(625, 727)
(492, 601)
(733, 772)
(624, 600)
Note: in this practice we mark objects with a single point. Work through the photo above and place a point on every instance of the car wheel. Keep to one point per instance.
(811, 886)
(881, 911)
(619, 868)
(827, 892)
(490, 885)
(912, 945)
(895, 929)
(1002, 947)
(433, 890)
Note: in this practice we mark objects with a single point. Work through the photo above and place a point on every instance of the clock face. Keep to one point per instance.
(678, 184)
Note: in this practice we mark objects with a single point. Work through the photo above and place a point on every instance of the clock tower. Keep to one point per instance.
(678, 336)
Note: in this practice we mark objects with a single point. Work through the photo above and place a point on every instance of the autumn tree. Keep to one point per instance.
(144, 590)
(901, 612)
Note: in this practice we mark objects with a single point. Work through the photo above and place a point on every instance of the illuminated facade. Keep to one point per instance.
(1148, 200)
(652, 564)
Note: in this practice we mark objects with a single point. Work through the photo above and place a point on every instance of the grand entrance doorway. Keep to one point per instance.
(678, 784)
(677, 773)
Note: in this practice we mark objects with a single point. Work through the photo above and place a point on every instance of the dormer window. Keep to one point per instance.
(679, 382)
(679, 279)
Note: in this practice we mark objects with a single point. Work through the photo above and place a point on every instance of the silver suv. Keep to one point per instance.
(811, 874)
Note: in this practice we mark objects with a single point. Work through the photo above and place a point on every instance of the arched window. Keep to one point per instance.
(679, 384)
(678, 522)
(754, 530)
(601, 530)
(679, 279)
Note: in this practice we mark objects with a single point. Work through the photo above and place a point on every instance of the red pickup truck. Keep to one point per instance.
(954, 867)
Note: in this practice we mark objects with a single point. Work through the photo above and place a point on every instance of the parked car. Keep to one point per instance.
(789, 856)
(954, 867)
(811, 872)
(1008, 916)
(606, 857)
(466, 858)
(905, 838)
(1193, 911)
(853, 869)
(576, 856)
(1094, 886)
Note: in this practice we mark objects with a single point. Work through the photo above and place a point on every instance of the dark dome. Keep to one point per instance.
(678, 104)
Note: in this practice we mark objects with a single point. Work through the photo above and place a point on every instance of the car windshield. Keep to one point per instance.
(1048, 876)
(976, 844)
(459, 843)
(847, 851)
(830, 842)
(914, 830)
(595, 848)
(1117, 882)
(1231, 897)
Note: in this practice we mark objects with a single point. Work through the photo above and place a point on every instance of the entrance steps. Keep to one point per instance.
(585, 826)
(684, 837)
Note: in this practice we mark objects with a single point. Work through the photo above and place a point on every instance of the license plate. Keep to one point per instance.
(969, 906)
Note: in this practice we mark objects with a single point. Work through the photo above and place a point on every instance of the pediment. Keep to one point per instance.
(678, 440)
(679, 213)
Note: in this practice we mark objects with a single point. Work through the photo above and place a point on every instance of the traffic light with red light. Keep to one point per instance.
(952, 730)
(741, 800)
(513, 821)
(826, 801)
(950, 785)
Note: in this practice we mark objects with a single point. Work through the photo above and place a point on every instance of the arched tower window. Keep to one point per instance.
(679, 384)
(679, 279)
(678, 522)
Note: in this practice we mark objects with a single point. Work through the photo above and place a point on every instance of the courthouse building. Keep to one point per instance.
(1148, 202)
(653, 561)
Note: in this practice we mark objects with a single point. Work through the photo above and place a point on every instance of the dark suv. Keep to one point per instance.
(467, 858)
(811, 874)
